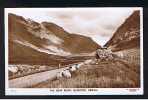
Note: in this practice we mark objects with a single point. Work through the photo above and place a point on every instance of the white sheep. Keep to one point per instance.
(59, 75)
(66, 73)
(73, 68)
(97, 63)
(13, 69)
(94, 61)
(87, 61)
(79, 65)
(120, 54)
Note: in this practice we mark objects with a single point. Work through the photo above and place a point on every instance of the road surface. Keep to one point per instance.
(30, 80)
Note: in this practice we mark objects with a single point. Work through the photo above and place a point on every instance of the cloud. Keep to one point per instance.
(101, 21)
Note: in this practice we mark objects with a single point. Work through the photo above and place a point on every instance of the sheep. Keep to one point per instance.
(66, 73)
(87, 61)
(59, 75)
(79, 65)
(97, 63)
(120, 55)
(13, 69)
(94, 61)
(73, 68)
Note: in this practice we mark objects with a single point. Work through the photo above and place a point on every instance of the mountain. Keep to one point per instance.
(43, 43)
(127, 35)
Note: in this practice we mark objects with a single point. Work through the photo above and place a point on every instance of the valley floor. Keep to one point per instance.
(120, 72)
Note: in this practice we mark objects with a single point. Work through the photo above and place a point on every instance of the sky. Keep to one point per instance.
(97, 23)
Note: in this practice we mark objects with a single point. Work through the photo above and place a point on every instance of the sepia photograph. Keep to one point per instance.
(77, 51)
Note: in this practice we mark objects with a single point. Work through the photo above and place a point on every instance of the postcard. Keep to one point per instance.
(74, 51)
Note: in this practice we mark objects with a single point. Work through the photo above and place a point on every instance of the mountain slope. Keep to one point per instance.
(127, 35)
(43, 43)
(73, 42)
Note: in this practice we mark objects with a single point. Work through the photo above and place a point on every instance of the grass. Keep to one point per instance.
(107, 74)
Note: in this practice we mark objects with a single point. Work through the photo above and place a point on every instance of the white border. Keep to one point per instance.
(100, 91)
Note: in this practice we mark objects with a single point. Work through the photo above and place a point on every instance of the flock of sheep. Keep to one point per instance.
(67, 72)
(64, 73)
(103, 54)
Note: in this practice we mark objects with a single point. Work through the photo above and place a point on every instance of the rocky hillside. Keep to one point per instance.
(33, 42)
(127, 35)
